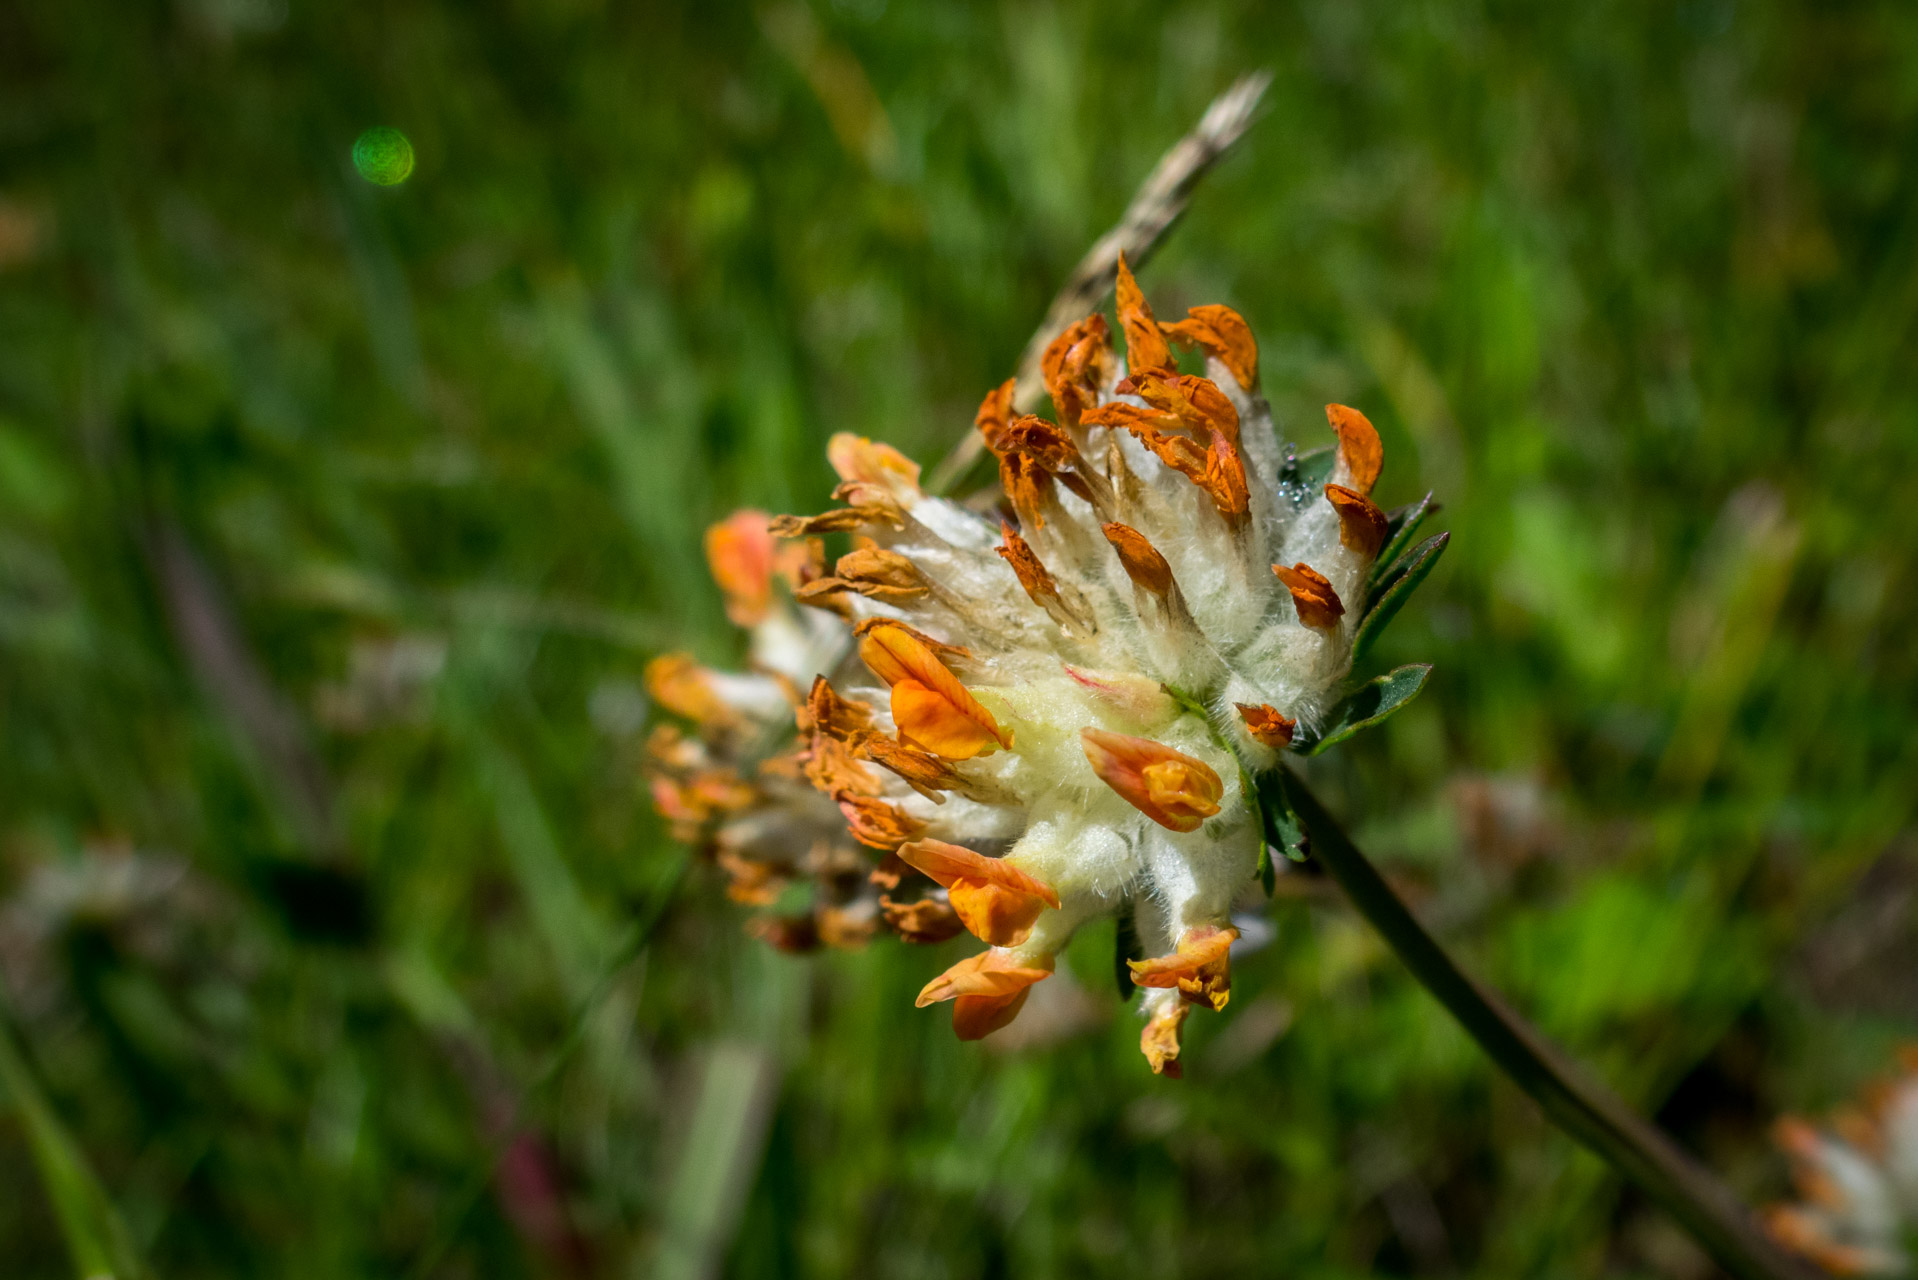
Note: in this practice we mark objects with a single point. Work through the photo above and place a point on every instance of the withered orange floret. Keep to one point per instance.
(995, 413)
(1145, 346)
(1266, 725)
(1075, 367)
(1362, 526)
(1140, 559)
(1318, 604)
(1361, 457)
(1159, 1042)
(1223, 334)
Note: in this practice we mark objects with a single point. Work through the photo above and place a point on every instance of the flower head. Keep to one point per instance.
(731, 782)
(1055, 710)
(1857, 1211)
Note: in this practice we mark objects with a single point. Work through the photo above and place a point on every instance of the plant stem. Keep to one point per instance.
(1581, 1106)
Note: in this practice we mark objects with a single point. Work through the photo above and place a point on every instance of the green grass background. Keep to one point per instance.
(289, 937)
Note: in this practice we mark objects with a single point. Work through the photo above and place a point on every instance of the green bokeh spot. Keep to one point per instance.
(383, 156)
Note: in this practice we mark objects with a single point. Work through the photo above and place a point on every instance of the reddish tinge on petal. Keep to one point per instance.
(1361, 456)
(997, 901)
(1362, 526)
(1145, 346)
(989, 989)
(1173, 789)
(1201, 968)
(1266, 725)
(739, 550)
(932, 709)
(1159, 1042)
(1318, 604)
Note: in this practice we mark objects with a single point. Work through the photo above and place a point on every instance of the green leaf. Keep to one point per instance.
(96, 1235)
(1401, 526)
(1391, 593)
(1371, 703)
(1303, 475)
(1125, 947)
(1283, 830)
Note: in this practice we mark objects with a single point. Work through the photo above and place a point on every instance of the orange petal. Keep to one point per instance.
(680, 685)
(856, 458)
(1201, 968)
(935, 710)
(947, 864)
(1160, 1040)
(988, 989)
(1141, 560)
(1361, 456)
(1266, 725)
(1173, 789)
(739, 550)
(997, 901)
(930, 719)
(1317, 603)
(1145, 346)
(1362, 526)
(860, 631)
(1223, 334)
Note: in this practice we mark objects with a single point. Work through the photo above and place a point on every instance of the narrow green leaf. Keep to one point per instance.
(96, 1236)
(1401, 526)
(1371, 703)
(1390, 595)
(1125, 946)
(1283, 830)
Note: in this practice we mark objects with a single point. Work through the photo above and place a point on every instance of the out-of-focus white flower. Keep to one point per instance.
(1056, 719)
(1857, 1180)
(736, 786)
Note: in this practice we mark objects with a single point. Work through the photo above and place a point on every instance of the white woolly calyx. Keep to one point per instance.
(1055, 716)
(1857, 1212)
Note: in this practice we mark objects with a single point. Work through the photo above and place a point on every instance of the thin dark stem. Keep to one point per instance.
(1581, 1106)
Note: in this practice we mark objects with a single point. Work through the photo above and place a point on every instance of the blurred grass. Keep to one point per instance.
(296, 912)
